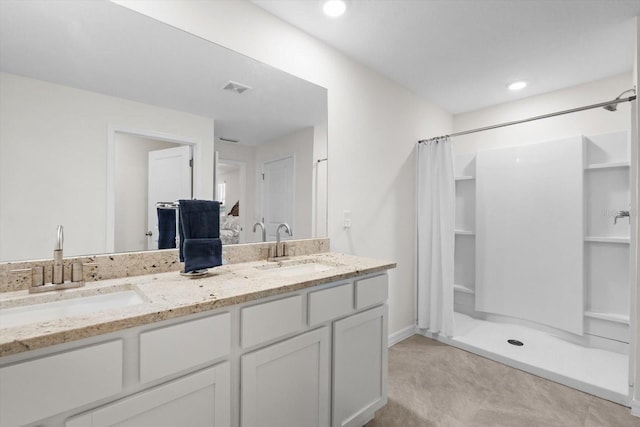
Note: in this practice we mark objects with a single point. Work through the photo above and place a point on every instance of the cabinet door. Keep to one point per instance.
(200, 399)
(287, 384)
(360, 367)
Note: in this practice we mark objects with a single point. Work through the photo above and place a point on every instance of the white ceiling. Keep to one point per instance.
(102, 47)
(461, 54)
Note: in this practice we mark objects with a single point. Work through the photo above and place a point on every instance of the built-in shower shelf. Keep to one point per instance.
(465, 178)
(465, 233)
(602, 239)
(465, 289)
(611, 317)
(607, 165)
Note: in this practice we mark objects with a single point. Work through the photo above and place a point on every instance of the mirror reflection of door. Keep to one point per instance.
(169, 180)
(278, 196)
(131, 205)
(231, 182)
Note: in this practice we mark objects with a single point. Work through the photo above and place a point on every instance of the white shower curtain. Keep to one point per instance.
(436, 235)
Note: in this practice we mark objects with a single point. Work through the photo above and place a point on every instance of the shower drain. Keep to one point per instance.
(516, 343)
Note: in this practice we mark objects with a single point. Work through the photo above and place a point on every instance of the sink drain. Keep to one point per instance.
(516, 343)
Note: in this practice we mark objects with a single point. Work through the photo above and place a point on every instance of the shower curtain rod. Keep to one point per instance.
(530, 119)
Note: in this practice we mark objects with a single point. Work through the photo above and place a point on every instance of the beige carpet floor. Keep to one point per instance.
(433, 384)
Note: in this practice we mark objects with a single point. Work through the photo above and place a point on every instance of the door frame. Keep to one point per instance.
(243, 192)
(111, 169)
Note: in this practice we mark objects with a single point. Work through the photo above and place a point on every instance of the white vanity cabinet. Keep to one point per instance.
(199, 399)
(315, 357)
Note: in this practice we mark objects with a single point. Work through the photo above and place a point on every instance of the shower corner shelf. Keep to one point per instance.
(464, 178)
(465, 233)
(464, 289)
(607, 165)
(602, 239)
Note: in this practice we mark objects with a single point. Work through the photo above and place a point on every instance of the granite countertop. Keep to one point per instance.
(170, 295)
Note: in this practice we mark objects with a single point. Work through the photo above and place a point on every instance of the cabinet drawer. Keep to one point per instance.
(44, 387)
(270, 320)
(172, 349)
(330, 303)
(371, 291)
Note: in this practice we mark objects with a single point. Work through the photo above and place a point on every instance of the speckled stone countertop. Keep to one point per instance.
(170, 295)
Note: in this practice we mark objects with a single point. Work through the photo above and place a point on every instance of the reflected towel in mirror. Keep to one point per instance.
(166, 228)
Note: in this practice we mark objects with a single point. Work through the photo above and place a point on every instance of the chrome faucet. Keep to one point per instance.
(264, 232)
(287, 230)
(58, 265)
(621, 214)
(58, 281)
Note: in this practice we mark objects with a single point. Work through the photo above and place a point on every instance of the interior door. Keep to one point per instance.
(170, 179)
(278, 196)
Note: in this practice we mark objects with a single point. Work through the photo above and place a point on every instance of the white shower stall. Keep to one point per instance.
(541, 259)
(543, 275)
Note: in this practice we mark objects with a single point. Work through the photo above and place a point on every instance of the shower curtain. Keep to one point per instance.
(436, 235)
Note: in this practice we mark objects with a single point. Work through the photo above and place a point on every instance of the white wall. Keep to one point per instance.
(132, 190)
(373, 127)
(61, 133)
(298, 145)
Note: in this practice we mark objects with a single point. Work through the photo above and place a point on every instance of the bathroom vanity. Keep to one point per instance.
(299, 342)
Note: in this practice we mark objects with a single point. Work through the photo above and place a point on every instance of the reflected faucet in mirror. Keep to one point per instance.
(264, 232)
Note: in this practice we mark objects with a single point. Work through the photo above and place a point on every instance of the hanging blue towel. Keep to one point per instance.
(166, 228)
(200, 254)
(200, 221)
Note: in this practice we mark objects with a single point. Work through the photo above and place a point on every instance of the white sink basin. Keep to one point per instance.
(295, 269)
(47, 311)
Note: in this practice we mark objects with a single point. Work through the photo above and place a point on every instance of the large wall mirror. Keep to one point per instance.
(104, 112)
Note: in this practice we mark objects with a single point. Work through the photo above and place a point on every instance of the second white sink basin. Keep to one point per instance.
(286, 269)
(47, 311)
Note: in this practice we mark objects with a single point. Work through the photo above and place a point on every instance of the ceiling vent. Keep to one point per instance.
(236, 87)
(223, 139)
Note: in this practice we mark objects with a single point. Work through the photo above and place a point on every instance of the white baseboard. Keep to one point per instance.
(426, 333)
(635, 407)
(402, 334)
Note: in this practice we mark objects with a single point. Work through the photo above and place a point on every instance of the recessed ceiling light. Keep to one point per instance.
(517, 85)
(334, 8)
